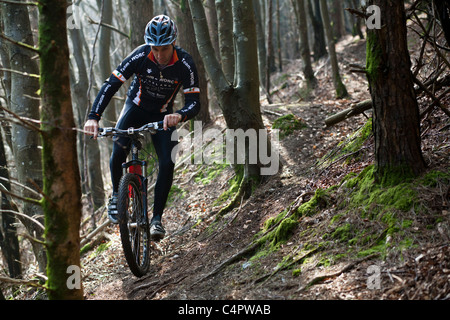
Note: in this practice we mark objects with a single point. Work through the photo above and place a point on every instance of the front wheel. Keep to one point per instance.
(133, 224)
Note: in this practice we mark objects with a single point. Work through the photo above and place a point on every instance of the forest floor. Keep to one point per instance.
(317, 260)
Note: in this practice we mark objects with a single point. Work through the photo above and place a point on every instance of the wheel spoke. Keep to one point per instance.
(134, 230)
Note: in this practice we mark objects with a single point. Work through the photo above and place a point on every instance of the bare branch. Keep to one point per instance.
(24, 216)
(20, 185)
(26, 74)
(20, 44)
(102, 24)
(31, 283)
(25, 121)
(6, 191)
(19, 2)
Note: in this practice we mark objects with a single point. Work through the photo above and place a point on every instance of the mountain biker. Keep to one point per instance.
(160, 68)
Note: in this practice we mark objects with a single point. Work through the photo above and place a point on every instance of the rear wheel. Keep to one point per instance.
(133, 224)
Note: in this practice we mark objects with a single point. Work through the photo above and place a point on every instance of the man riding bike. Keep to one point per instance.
(160, 68)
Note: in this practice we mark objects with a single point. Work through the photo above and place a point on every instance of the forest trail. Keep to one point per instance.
(186, 264)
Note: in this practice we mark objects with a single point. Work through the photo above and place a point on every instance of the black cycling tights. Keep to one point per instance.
(134, 116)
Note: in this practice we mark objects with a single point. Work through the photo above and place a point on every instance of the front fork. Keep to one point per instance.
(139, 168)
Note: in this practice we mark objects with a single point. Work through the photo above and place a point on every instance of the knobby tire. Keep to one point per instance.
(134, 226)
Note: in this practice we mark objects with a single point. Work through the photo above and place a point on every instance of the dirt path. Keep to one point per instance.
(185, 265)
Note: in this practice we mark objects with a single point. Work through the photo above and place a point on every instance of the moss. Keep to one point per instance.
(376, 198)
(288, 124)
(432, 178)
(102, 247)
(318, 201)
(351, 228)
(280, 234)
(209, 173)
(348, 148)
(86, 248)
(373, 56)
(283, 232)
(234, 184)
(296, 272)
(387, 203)
(357, 140)
(286, 226)
(175, 192)
(343, 233)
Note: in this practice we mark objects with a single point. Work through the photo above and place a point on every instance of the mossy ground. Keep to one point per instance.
(288, 124)
(355, 219)
(349, 149)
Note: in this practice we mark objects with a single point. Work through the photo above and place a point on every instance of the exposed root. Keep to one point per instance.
(319, 279)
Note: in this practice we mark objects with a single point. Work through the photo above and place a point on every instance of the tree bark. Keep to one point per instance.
(299, 6)
(319, 44)
(396, 121)
(91, 162)
(239, 102)
(24, 103)
(141, 12)
(9, 243)
(185, 41)
(62, 200)
(338, 19)
(226, 46)
(262, 54)
(269, 46)
(341, 90)
(350, 112)
(104, 59)
(211, 15)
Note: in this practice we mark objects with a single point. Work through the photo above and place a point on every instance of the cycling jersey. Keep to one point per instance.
(154, 88)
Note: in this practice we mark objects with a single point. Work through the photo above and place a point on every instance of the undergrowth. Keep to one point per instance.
(358, 217)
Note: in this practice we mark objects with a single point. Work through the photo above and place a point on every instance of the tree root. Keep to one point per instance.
(253, 246)
(266, 277)
(248, 250)
(240, 194)
(348, 267)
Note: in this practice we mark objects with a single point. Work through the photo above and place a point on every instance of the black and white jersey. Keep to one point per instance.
(153, 88)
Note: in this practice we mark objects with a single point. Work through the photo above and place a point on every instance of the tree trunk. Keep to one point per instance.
(356, 21)
(319, 44)
(141, 12)
(340, 89)
(211, 15)
(92, 161)
(24, 103)
(299, 7)
(239, 102)
(226, 46)
(278, 38)
(338, 19)
(443, 14)
(62, 201)
(9, 243)
(185, 41)
(262, 54)
(396, 121)
(269, 46)
(104, 60)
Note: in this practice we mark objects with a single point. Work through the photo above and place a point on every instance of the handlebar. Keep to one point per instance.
(151, 127)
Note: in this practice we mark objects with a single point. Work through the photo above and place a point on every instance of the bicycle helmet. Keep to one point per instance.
(160, 31)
